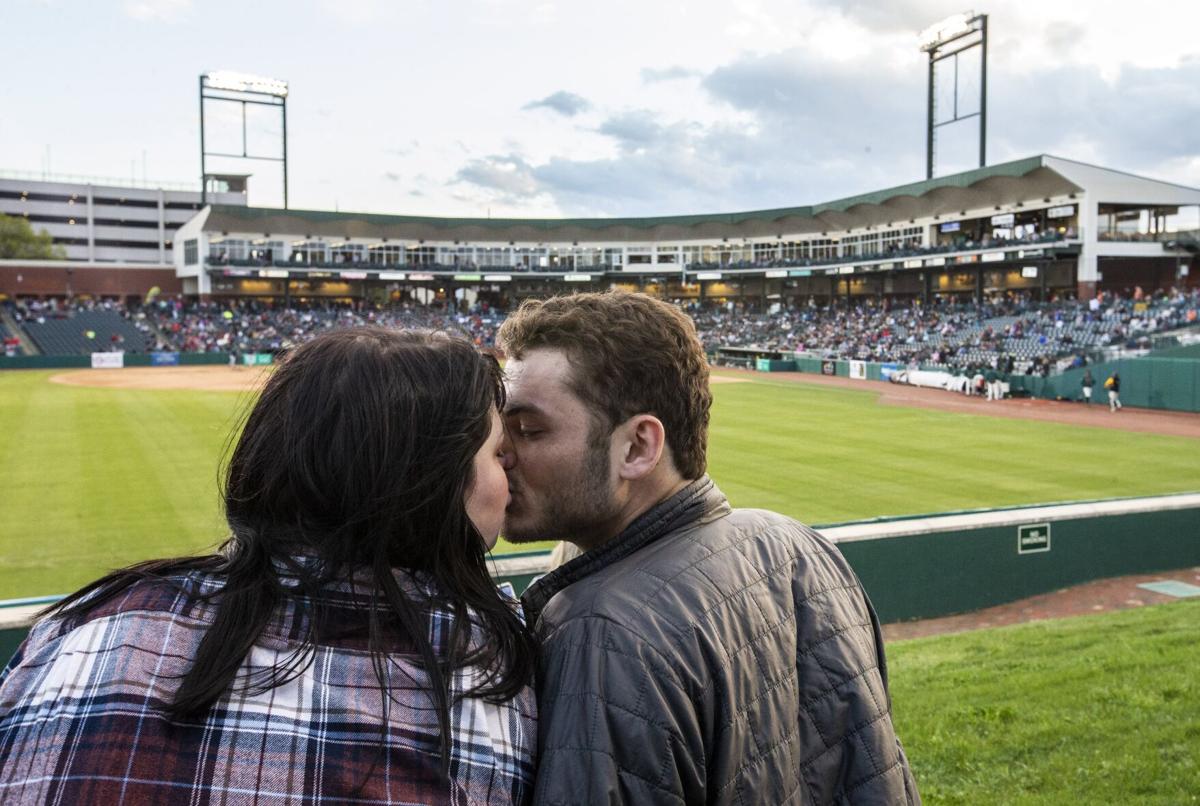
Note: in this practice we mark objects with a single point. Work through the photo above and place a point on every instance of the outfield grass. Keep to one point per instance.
(92, 479)
(827, 455)
(1095, 709)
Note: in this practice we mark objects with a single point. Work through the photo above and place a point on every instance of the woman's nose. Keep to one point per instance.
(508, 454)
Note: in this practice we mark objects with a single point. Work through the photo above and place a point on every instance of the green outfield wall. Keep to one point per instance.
(85, 361)
(1189, 351)
(1149, 382)
(940, 565)
(1170, 382)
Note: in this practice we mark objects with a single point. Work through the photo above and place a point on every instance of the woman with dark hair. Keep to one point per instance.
(346, 644)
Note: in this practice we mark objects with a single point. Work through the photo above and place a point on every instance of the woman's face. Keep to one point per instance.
(488, 497)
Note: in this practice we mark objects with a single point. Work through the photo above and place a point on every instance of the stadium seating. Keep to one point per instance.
(1033, 337)
(80, 332)
(949, 335)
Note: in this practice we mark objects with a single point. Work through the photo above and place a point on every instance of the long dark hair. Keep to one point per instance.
(357, 457)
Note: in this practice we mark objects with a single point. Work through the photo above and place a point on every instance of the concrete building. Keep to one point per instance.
(115, 234)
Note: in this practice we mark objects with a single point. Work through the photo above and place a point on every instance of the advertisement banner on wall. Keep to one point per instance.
(164, 359)
(256, 359)
(108, 360)
(829, 368)
(858, 370)
(887, 371)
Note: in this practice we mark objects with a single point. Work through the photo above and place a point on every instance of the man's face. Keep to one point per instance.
(561, 485)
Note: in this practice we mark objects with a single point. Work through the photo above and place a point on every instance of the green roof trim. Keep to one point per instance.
(1016, 168)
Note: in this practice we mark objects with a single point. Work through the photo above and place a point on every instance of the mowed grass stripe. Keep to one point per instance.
(825, 456)
(116, 481)
(96, 478)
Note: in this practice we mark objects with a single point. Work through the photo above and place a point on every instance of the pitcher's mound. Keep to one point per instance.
(203, 379)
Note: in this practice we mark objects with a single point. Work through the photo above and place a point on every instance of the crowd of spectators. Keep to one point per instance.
(256, 327)
(1011, 332)
(1027, 335)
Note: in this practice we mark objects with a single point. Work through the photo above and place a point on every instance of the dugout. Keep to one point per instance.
(754, 358)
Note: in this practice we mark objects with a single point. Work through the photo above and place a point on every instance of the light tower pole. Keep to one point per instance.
(227, 86)
(949, 39)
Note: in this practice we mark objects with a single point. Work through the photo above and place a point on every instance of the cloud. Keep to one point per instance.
(1143, 120)
(787, 139)
(652, 75)
(157, 10)
(391, 176)
(638, 129)
(564, 103)
(507, 174)
(799, 130)
(894, 16)
(355, 12)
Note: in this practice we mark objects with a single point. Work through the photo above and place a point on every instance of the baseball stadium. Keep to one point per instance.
(983, 387)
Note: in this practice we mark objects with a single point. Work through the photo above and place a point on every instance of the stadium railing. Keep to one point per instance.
(998, 555)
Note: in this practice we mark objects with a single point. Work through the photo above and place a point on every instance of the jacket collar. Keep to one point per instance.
(698, 499)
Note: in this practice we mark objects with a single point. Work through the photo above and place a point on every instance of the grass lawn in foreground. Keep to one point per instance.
(92, 479)
(1093, 709)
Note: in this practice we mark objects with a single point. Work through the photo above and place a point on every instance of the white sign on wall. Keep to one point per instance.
(108, 360)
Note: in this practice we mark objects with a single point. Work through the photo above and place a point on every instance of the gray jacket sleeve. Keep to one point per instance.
(615, 722)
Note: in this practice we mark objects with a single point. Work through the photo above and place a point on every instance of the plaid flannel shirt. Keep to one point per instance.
(82, 720)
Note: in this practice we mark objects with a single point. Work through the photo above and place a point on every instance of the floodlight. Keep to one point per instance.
(244, 82)
(949, 29)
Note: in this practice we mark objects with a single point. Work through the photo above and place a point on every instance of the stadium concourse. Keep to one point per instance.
(1011, 332)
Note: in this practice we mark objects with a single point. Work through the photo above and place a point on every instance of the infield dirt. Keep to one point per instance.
(201, 379)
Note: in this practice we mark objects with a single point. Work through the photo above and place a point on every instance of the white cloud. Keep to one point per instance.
(356, 12)
(157, 10)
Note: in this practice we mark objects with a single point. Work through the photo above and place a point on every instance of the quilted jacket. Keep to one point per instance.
(709, 656)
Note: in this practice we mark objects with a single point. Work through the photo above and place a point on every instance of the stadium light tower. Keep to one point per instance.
(241, 88)
(947, 40)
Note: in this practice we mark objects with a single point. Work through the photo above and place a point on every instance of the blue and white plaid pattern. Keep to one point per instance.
(81, 717)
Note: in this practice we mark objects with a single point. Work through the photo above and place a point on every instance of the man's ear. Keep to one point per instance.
(641, 441)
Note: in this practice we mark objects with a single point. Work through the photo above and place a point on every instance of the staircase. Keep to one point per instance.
(14, 329)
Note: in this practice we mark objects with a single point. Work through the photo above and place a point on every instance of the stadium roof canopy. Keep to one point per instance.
(1024, 180)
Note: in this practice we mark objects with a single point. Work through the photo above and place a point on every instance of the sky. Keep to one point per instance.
(527, 108)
